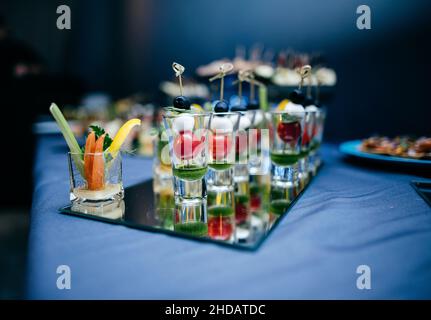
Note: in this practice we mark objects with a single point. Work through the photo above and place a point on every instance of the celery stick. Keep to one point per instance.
(68, 136)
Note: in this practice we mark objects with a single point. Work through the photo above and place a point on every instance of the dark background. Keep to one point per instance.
(126, 46)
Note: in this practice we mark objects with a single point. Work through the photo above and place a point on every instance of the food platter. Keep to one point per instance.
(352, 148)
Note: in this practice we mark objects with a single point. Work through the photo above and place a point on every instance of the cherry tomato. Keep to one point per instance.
(187, 145)
(220, 146)
(220, 227)
(289, 131)
(240, 212)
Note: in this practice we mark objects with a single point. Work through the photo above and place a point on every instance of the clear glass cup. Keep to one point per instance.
(191, 217)
(223, 128)
(303, 164)
(146, 138)
(316, 140)
(221, 215)
(242, 204)
(259, 200)
(258, 143)
(188, 147)
(96, 183)
(280, 200)
(241, 173)
(162, 169)
(286, 130)
(163, 189)
(164, 205)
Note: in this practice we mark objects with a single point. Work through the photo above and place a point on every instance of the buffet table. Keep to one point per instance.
(349, 216)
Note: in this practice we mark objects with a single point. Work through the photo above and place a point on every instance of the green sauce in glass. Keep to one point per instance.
(190, 173)
(220, 211)
(303, 154)
(277, 194)
(285, 159)
(254, 189)
(211, 197)
(198, 229)
(241, 198)
(279, 207)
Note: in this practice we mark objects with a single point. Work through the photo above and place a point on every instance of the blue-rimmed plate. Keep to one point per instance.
(352, 148)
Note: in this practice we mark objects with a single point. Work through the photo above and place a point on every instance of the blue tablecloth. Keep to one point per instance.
(349, 216)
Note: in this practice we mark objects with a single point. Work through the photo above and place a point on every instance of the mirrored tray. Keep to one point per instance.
(423, 188)
(142, 208)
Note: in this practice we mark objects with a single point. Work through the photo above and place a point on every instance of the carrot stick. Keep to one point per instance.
(98, 172)
(89, 156)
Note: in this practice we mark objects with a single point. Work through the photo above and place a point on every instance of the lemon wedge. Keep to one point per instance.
(121, 136)
(282, 105)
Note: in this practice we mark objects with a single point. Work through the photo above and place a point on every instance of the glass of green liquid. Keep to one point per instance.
(280, 200)
(304, 161)
(286, 131)
(240, 171)
(221, 215)
(223, 127)
(258, 143)
(316, 140)
(188, 147)
(162, 169)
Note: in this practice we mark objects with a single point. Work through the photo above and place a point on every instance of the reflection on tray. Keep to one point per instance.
(241, 219)
(111, 211)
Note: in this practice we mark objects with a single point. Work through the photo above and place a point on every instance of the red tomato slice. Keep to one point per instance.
(289, 131)
(187, 145)
(220, 146)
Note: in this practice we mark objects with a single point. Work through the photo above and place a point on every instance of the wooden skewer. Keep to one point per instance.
(179, 70)
(225, 68)
(304, 72)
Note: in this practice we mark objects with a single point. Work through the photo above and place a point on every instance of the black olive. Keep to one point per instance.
(181, 102)
(221, 106)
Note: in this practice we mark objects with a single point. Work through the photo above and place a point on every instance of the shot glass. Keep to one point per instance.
(188, 146)
(96, 184)
(222, 147)
(191, 218)
(286, 130)
(259, 200)
(145, 138)
(162, 169)
(164, 206)
(258, 143)
(307, 134)
(221, 215)
(280, 200)
(242, 204)
(240, 171)
(316, 140)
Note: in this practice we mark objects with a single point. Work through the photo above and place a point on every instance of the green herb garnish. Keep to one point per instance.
(100, 131)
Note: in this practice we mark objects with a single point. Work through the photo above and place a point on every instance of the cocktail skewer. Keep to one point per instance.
(180, 102)
(224, 69)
